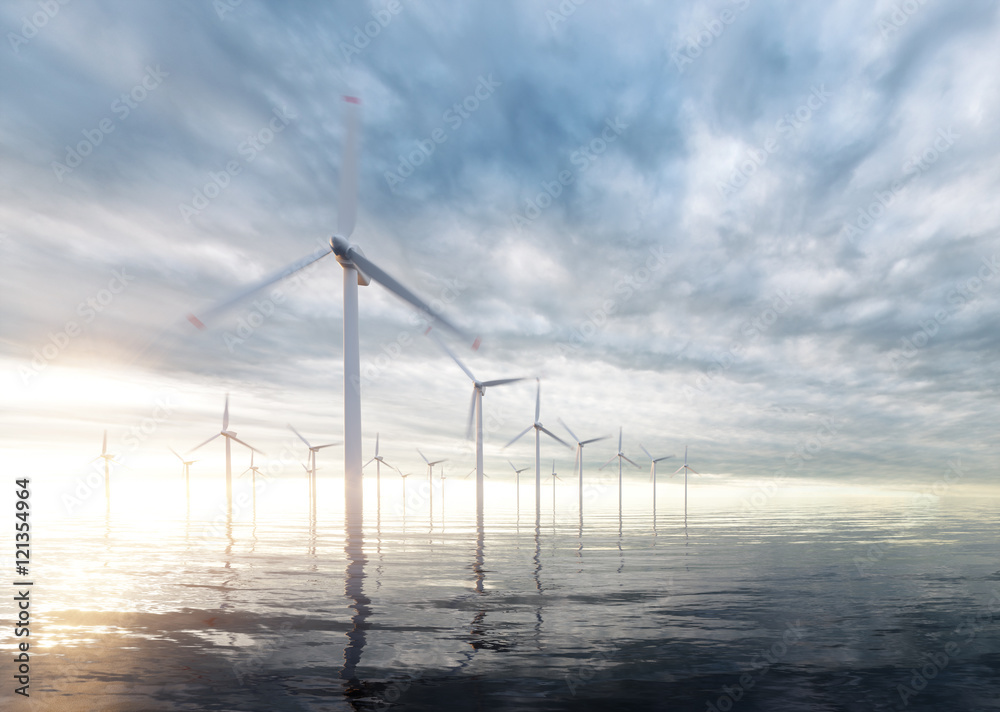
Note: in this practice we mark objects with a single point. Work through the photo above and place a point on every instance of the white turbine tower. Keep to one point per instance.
(108, 459)
(311, 469)
(404, 490)
(187, 474)
(430, 478)
(228, 435)
(652, 472)
(686, 470)
(554, 478)
(358, 270)
(621, 456)
(379, 461)
(476, 411)
(539, 428)
(517, 483)
(579, 456)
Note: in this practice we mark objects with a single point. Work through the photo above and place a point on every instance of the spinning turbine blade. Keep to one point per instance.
(538, 398)
(210, 314)
(472, 413)
(629, 461)
(246, 445)
(347, 200)
(594, 440)
(175, 453)
(300, 436)
(500, 382)
(104, 447)
(571, 433)
(553, 436)
(225, 414)
(204, 443)
(643, 448)
(519, 436)
(423, 456)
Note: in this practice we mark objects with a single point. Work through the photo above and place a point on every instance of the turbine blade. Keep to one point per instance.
(104, 447)
(572, 434)
(501, 382)
(225, 414)
(512, 465)
(538, 398)
(576, 461)
(422, 455)
(383, 278)
(347, 200)
(175, 453)
(519, 436)
(456, 359)
(472, 412)
(300, 436)
(203, 444)
(320, 447)
(661, 459)
(376, 444)
(629, 461)
(247, 445)
(609, 462)
(214, 311)
(619, 438)
(643, 448)
(554, 436)
(594, 440)
(369, 462)
(679, 469)
(694, 471)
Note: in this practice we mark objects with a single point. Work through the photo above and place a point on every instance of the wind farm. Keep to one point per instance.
(759, 239)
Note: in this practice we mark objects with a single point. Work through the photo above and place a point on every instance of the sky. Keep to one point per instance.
(764, 231)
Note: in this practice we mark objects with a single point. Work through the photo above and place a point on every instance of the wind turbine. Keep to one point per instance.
(621, 456)
(108, 459)
(256, 471)
(652, 472)
(554, 478)
(379, 461)
(358, 270)
(404, 490)
(430, 478)
(539, 428)
(686, 470)
(476, 410)
(579, 456)
(517, 482)
(311, 469)
(228, 435)
(187, 474)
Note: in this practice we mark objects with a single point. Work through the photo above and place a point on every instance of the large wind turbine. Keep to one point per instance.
(187, 474)
(652, 472)
(579, 456)
(228, 435)
(358, 270)
(517, 483)
(430, 478)
(686, 470)
(476, 410)
(539, 428)
(311, 469)
(379, 461)
(108, 459)
(621, 456)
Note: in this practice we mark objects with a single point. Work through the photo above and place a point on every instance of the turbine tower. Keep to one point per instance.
(108, 459)
(379, 461)
(539, 428)
(358, 270)
(621, 456)
(579, 456)
(311, 469)
(517, 483)
(430, 478)
(476, 410)
(686, 470)
(187, 474)
(228, 435)
(652, 472)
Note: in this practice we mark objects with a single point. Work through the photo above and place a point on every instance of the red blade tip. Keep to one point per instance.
(352, 99)
(476, 343)
(196, 321)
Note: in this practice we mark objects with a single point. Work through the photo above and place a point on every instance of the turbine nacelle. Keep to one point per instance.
(342, 249)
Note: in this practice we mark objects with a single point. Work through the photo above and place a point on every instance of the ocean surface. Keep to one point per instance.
(812, 600)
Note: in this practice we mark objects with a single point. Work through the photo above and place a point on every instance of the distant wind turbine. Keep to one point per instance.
(652, 472)
(404, 489)
(430, 478)
(475, 411)
(554, 478)
(686, 469)
(228, 435)
(579, 456)
(358, 270)
(538, 428)
(108, 459)
(517, 483)
(379, 461)
(253, 477)
(621, 456)
(187, 474)
(311, 469)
